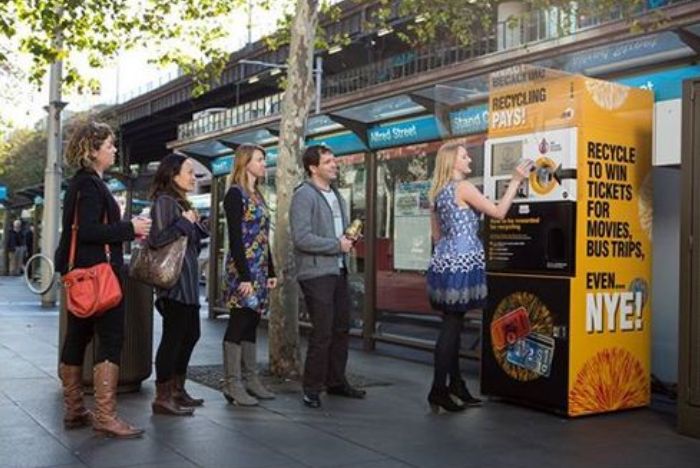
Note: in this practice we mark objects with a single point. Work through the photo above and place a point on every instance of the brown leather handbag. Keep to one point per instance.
(158, 267)
(93, 290)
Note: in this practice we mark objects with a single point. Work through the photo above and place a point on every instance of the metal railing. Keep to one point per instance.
(407, 64)
(163, 78)
(254, 110)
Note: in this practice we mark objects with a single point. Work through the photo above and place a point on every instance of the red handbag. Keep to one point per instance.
(93, 290)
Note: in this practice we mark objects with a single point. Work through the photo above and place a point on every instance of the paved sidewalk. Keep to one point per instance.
(392, 428)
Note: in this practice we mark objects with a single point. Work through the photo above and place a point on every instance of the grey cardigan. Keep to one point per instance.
(316, 246)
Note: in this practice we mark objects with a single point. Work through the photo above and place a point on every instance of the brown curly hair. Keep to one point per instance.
(86, 137)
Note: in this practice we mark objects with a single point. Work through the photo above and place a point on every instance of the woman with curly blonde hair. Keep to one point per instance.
(91, 151)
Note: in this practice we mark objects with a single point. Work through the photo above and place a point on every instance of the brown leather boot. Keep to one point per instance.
(106, 421)
(165, 403)
(76, 415)
(181, 396)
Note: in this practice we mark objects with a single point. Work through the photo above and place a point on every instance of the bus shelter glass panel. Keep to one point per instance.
(352, 187)
(219, 256)
(403, 238)
(140, 197)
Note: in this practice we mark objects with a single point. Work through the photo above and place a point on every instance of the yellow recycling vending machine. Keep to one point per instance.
(567, 326)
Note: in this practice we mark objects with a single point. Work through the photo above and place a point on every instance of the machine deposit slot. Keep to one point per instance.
(556, 250)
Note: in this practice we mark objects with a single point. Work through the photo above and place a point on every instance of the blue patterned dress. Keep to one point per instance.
(250, 245)
(456, 279)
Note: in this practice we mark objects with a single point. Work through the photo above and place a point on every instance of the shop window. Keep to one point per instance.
(352, 186)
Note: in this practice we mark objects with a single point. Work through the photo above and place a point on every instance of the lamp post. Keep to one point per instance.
(53, 175)
(317, 72)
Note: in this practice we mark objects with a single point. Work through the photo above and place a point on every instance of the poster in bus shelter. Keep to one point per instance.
(412, 226)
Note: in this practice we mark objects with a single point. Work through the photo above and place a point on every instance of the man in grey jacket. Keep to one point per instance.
(318, 218)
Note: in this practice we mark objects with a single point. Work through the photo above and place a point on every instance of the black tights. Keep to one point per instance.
(447, 350)
(109, 328)
(242, 324)
(180, 333)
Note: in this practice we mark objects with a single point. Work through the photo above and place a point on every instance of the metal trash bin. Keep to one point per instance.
(137, 351)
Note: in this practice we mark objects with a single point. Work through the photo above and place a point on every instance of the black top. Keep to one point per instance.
(29, 241)
(95, 201)
(168, 226)
(15, 239)
(233, 207)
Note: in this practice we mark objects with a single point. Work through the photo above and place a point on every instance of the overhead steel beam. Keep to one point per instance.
(439, 110)
(355, 126)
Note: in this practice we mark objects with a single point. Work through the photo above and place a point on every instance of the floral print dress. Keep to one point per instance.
(248, 258)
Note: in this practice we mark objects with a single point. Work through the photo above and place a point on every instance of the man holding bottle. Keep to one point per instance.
(318, 219)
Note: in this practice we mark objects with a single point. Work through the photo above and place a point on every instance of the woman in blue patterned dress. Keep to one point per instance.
(456, 279)
(249, 275)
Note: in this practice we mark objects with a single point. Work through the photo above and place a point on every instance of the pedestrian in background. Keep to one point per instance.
(456, 278)
(173, 217)
(16, 248)
(250, 275)
(91, 151)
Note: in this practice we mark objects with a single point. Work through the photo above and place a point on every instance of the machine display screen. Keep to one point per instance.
(505, 157)
(502, 186)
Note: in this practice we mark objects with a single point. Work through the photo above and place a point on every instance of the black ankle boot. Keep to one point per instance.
(439, 397)
(459, 389)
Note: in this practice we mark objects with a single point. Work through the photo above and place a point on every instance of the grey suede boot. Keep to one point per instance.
(233, 388)
(250, 372)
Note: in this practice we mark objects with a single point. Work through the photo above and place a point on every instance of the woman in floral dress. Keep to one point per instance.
(456, 278)
(249, 275)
